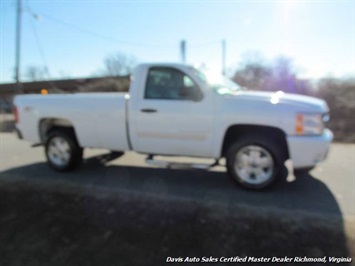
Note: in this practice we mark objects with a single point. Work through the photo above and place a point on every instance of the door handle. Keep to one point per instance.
(148, 110)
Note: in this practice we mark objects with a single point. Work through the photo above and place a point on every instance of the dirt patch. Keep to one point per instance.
(59, 224)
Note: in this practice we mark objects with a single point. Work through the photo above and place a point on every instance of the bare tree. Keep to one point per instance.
(340, 96)
(252, 72)
(120, 84)
(119, 64)
(35, 73)
(255, 74)
(281, 74)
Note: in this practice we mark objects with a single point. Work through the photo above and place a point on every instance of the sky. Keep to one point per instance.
(72, 38)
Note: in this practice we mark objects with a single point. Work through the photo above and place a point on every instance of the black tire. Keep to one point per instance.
(68, 158)
(244, 171)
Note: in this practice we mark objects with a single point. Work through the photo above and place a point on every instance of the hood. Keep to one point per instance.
(300, 102)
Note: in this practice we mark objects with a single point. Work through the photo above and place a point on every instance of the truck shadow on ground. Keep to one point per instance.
(304, 195)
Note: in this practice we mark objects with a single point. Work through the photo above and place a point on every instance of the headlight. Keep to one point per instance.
(309, 124)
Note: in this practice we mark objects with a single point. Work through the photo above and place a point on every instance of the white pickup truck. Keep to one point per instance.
(177, 110)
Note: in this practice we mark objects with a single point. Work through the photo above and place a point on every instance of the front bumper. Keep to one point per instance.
(307, 151)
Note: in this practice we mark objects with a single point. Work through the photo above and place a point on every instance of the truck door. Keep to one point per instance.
(173, 116)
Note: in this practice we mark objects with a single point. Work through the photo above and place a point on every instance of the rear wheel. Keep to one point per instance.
(255, 162)
(62, 150)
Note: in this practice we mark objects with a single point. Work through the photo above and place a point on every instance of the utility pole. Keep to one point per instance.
(18, 47)
(223, 56)
(183, 51)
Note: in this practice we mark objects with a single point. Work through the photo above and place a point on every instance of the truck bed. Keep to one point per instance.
(84, 111)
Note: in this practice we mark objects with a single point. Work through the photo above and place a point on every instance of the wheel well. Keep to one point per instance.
(49, 124)
(239, 131)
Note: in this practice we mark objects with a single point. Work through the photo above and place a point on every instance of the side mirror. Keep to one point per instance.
(197, 96)
(191, 93)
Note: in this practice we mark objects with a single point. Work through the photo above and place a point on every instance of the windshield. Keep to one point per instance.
(217, 82)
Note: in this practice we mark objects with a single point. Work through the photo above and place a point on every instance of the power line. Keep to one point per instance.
(41, 51)
(207, 43)
(110, 38)
(98, 35)
(40, 48)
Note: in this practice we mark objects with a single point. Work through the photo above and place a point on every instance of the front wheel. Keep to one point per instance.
(254, 162)
(62, 150)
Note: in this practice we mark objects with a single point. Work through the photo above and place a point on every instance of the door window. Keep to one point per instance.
(170, 84)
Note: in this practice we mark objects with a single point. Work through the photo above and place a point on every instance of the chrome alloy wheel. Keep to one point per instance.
(59, 151)
(254, 165)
